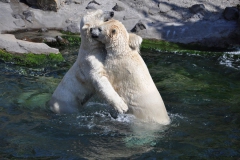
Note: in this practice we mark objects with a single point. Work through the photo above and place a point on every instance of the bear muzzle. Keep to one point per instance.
(95, 32)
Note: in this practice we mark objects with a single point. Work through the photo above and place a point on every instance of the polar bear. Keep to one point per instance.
(129, 74)
(87, 76)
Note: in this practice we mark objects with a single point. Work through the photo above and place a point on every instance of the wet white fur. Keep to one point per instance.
(87, 76)
(129, 74)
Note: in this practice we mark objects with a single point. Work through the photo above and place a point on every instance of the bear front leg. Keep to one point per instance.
(106, 90)
(102, 85)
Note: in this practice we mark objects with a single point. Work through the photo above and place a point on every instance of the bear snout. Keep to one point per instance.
(94, 32)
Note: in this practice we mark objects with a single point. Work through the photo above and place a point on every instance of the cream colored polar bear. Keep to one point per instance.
(128, 73)
(87, 76)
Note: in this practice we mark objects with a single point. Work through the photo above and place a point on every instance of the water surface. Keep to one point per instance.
(201, 94)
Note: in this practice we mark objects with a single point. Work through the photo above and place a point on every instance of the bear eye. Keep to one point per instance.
(113, 31)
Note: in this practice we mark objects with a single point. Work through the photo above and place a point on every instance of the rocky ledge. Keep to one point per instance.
(10, 44)
(206, 23)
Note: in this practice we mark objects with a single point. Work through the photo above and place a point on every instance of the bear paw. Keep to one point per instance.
(121, 107)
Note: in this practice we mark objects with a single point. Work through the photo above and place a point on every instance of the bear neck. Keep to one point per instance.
(89, 44)
(117, 48)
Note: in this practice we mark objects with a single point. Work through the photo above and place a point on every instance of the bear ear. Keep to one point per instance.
(113, 31)
(135, 41)
(85, 27)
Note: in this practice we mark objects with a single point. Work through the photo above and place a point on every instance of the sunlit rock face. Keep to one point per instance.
(5, 1)
(50, 5)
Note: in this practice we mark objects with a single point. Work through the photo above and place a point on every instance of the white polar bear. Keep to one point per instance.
(129, 74)
(87, 76)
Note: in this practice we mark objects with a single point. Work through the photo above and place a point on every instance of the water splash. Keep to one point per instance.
(230, 59)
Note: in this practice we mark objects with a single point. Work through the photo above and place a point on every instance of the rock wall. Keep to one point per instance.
(186, 21)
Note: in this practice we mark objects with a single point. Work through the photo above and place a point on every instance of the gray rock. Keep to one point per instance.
(28, 15)
(118, 8)
(29, 19)
(68, 21)
(230, 41)
(32, 2)
(164, 7)
(43, 30)
(138, 27)
(18, 16)
(6, 18)
(68, 2)
(93, 5)
(158, 26)
(49, 5)
(154, 10)
(129, 17)
(60, 39)
(50, 39)
(74, 28)
(197, 8)
(19, 23)
(231, 13)
(138, 4)
(9, 43)
(79, 1)
(5, 1)
(186, 15)
(196, 17)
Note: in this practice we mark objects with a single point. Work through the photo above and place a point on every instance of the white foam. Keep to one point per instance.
(126, 118)
(234, 53)
(173, 116)
(228, 60)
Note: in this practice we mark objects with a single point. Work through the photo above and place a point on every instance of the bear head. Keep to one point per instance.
(92, 19)
(109, 32)
(112, 33)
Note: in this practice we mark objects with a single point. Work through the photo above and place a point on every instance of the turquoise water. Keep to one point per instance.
(201, 94)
